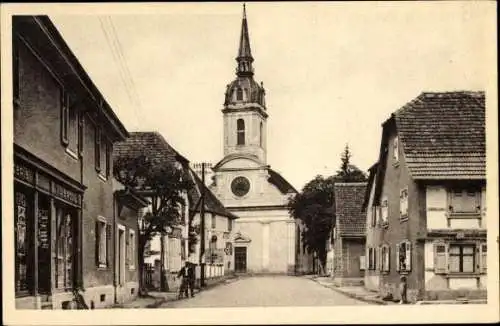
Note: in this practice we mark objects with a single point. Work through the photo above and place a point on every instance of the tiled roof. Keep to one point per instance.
(154, 146)
(350, 219)
(212, 204)
(151, 144)
(284, 186)
(443, 135)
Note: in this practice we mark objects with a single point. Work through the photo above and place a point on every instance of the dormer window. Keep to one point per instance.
(240, 131)
(239, 94)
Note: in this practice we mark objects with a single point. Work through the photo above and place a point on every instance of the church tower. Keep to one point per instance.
(265, 235)
(244, 106)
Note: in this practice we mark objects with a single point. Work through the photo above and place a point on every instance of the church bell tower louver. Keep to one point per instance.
(245, 116)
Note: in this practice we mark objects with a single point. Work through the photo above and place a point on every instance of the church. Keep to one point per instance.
(267, 239)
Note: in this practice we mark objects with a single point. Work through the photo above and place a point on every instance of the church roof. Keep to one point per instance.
(350, 219)
(284, 186)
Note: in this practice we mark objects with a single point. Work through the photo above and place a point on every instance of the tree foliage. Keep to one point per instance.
(163, 184)
(314, 205)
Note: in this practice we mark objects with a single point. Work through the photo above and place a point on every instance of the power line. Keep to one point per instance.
(122, 71)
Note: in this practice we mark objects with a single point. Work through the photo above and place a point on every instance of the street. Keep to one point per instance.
(266, 291)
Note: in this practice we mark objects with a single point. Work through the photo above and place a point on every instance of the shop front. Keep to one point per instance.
(47, 219)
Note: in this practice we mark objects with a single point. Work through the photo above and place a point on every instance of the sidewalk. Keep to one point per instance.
(155, 299)
(356, 292)
(362, 294)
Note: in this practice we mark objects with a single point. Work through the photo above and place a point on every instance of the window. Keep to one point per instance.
(97, 149)
(372, 265)
(403, 201)
(461, 258)
(385, 258)
(103, 243)
(64, 117)
(239, 94)
(362, 263)
(64, 248)
(22, 224)
(214, 221)
(403, 254)
(240, 131)
(229, 224)
(384, 211)
(464, 200)
(131, 249)
(395, 150)
(260, 134)
(373, 216)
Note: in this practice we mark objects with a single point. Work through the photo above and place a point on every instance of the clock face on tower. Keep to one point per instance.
(240, 186)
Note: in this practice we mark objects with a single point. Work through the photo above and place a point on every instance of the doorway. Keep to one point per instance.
(121, 254)
(240, 259)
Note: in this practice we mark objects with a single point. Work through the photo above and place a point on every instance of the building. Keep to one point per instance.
(164, 253)
(64, 132)
(373, 234)
(219, 231)
(349, 234)
(245, 183)
(430, 198)
(127, 207)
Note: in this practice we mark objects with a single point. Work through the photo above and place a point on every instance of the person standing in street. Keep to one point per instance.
(187, 280)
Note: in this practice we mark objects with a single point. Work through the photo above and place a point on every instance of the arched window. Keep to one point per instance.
(261, 136)
(240, 132)
(239, 94)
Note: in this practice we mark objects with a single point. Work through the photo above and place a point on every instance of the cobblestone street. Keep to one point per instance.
(266, 291)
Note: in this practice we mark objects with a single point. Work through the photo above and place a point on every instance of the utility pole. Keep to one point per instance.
(202, 221)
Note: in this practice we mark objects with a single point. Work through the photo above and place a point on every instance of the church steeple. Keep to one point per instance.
(244, 58)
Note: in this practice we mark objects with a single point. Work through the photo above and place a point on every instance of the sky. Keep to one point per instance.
(333, 71)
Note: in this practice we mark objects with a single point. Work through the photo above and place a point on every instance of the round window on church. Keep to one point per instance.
(240, 186)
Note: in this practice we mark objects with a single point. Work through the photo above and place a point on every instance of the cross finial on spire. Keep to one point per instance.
(244, 11)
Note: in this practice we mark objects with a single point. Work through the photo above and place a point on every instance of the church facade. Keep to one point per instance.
(267, 238)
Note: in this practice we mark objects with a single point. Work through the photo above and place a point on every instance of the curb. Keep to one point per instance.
(158, 302)
(351, 295)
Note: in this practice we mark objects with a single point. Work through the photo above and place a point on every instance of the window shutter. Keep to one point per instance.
(397, 257)
(388, 267)
(483, 258)
(440, 258)
(97, 241)
(408, 256)
(108, 245)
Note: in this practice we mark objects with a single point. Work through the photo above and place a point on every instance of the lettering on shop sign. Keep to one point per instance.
(43, 228)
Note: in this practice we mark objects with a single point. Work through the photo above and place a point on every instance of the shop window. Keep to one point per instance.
(403, 254)
(403, 201)
(64, 247)
(461, 258)
(22, 222)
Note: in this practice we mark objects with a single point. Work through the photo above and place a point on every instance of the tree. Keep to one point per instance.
(164, 185)
(349, 172)
(314, 205)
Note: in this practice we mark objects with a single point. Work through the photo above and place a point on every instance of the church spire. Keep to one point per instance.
(244, 58)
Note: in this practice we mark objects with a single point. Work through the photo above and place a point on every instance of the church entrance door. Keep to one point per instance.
(240, 259)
